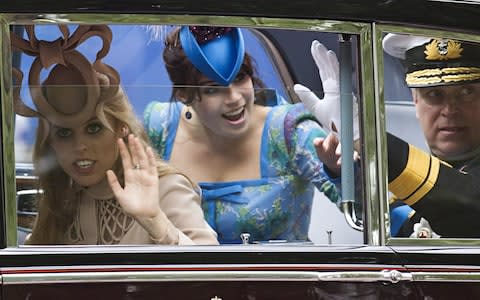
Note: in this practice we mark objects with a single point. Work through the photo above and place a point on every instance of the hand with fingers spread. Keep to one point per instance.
(326, 110)
(140, 194)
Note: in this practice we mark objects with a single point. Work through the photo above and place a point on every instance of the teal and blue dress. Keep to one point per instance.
(276, 206)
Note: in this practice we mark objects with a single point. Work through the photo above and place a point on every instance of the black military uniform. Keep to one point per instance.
(446, 194)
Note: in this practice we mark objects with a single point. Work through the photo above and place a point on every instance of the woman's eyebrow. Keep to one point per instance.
(93, 119)
(209, 82)
(59, 127)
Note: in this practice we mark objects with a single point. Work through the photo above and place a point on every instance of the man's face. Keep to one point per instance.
(449, 116)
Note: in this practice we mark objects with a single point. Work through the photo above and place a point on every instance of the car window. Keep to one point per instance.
(144, 78)
(136, 53)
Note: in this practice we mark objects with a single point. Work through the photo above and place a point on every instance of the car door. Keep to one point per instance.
(346, 256)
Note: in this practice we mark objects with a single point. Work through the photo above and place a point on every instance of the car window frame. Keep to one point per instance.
(379, 31)
(363, 30)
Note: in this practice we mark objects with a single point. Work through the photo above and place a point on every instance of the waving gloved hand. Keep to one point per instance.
(326, 110)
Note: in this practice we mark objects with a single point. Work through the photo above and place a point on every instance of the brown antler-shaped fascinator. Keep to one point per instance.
(72, 72)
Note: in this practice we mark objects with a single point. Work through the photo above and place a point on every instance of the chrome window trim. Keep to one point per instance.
(392, 276)
(363, 30)
(8, 132)
(379, 30)
(383, 276)
(231, 273)
(449, 277)
(373, 225)
(261, 22)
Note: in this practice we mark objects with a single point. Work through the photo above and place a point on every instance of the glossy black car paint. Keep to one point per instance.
(449, 14)
(228, 290)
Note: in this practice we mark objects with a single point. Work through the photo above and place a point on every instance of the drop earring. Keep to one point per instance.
(188, 114)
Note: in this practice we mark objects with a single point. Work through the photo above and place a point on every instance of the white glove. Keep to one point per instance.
(327, 110)
(423, 230)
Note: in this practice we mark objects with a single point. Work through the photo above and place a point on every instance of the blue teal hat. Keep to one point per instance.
(217, 52)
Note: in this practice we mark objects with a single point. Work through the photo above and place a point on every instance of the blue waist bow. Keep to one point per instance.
(211, 194)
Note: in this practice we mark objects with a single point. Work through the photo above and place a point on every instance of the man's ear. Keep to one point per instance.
(414, 95)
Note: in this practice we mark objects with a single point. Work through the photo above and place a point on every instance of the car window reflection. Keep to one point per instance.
(435, 124)
(146, 83)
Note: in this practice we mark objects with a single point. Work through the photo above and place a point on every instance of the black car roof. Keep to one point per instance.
(461, 15)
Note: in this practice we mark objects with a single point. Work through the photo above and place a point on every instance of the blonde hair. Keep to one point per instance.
(58, 204)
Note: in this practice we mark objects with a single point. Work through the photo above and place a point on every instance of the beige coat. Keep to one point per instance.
(100, 219)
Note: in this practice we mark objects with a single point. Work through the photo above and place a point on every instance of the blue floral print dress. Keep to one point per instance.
(276, 206)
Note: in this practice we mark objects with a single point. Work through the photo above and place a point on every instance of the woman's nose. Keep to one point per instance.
(234, 93)
(79, 144)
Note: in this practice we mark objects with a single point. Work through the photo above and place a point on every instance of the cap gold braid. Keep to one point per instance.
(442, 62)
(445, 75)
